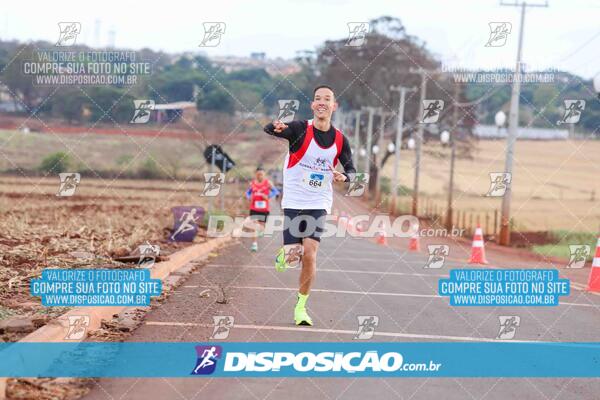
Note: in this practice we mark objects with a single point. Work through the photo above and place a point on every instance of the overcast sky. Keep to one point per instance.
(566, 35)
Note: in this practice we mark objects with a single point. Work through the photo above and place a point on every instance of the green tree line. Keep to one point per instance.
(361, 75)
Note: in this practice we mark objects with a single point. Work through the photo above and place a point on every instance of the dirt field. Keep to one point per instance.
(556, 184)
(176, 156)
(103, 219)
(107, 216)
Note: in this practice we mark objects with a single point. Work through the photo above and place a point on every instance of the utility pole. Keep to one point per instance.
(398, 143)
(356, 137)
(513, 125)
(342, 122)
(222, 192)
(212, 168)
(419, 139)
(337, 117)
(368, 156)
(379, 156)
(454, 130)
(418, 144)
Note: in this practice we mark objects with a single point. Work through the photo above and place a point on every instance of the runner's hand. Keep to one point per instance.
(337, 175)
(279, 126)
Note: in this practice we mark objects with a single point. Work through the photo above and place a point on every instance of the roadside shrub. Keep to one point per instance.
(149, 170)
(386, 187)
(55, 163)
(385, 184)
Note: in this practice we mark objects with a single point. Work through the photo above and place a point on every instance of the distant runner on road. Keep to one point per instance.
(259, 194)
(315, 148)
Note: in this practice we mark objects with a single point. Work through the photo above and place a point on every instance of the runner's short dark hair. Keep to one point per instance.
(324, 86)
(259, 168)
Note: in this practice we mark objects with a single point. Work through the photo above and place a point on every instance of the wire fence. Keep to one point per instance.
(435, 212)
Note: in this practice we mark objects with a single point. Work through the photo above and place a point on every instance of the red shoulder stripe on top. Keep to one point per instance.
(339, 143)
(297, 156)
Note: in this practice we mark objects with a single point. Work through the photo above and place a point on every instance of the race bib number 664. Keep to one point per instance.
(315, 181)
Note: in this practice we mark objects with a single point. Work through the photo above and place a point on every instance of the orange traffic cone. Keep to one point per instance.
(381, 239)
(594, 279)
(350, 226)
(380, 235)
(413, 243)
(346, 223)
(360, 227)
(477, 249)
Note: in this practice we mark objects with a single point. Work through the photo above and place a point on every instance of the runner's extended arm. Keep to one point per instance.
(346, 160)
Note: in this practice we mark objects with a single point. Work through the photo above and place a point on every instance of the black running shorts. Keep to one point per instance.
(300, 224)
(260, 216)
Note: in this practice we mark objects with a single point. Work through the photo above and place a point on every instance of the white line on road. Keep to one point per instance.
(338, 331)
(574, 285)
(369, 293)
(346, 271)
(322, 290)
(366, 259)
(350, 253)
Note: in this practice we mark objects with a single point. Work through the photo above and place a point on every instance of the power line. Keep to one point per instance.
(590, 40)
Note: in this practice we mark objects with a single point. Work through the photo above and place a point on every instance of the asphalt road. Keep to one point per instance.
(355, 277)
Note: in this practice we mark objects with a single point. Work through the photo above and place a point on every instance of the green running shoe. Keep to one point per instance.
(254, 247)
(301, 317)
(290, 260)
(280, 264)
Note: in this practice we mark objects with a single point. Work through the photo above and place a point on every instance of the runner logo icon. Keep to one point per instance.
(499, 32)
(366, 326)
(579, 255)
(358, 184)
(431, 111)
(499, 182)
(68, 33)
(142, 111)
(207, 359)
(437, 255)
(186, 220)
(573, 110)
(78, 325)
(148, 254)
(508, 326)
(357, 33)
(68, 183)
(222, 326)
(287, 110)
(212, 34)
(212, 183)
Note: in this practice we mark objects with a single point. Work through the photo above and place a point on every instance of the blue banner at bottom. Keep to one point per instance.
(305, 359)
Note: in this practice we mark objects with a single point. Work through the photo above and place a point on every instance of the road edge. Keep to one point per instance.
(54, 330)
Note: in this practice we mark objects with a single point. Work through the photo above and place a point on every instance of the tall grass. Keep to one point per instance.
(562, 240)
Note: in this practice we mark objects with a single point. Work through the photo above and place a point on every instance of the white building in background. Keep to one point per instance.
(172, 112)
(493, 132)
(275, 66)
(7, 102)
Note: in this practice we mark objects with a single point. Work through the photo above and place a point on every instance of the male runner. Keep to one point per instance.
(259, 193)
(315, 147)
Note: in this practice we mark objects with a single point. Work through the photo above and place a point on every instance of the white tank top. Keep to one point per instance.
(306, 175)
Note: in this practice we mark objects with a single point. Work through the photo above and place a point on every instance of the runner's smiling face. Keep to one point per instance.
(323, 104)
(260, 175)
